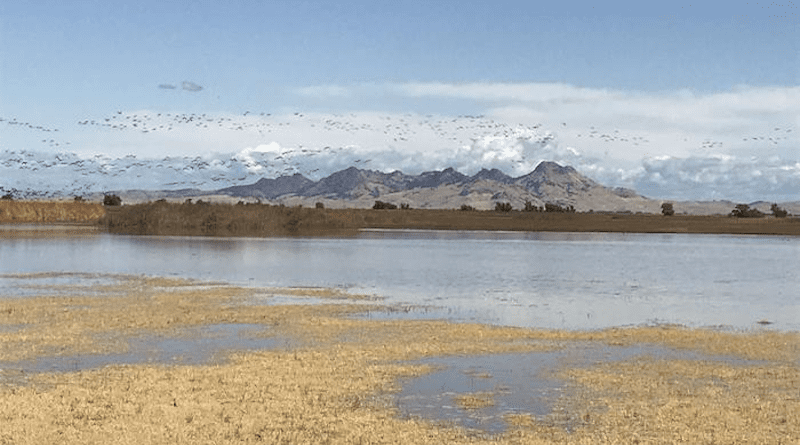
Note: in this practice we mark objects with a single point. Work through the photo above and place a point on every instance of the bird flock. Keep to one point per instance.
(42, 129)
(301, 137)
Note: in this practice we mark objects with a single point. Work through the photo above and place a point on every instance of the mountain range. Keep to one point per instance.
(448, 188)
(32, 175)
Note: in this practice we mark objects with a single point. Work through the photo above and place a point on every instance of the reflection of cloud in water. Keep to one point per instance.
(542, 280)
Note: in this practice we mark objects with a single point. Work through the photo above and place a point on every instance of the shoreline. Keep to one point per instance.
(263, 220)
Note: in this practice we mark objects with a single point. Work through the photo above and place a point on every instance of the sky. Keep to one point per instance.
(679, 100)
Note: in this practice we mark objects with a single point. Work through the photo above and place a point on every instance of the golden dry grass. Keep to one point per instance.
(658, 401)
(334, 385)
(49, 212)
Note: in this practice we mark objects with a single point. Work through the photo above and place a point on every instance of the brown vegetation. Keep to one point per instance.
(49, 212)
(200, 218)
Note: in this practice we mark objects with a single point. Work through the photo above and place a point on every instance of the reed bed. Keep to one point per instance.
(50, 212)
(214, 219)
(334, 384)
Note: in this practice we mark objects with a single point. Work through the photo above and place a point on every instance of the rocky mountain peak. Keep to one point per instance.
(493, 174)
(552, 168)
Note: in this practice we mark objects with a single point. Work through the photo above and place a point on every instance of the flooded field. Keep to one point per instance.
(124, 358)
(412, 336)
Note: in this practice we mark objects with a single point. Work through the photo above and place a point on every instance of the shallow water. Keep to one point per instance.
(192, 346)
(553, 280)
(520, 383)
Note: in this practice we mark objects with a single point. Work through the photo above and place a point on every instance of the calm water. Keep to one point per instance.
(559, 280)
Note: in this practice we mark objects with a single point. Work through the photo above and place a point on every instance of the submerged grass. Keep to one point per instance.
(475, 400)
(335, 384)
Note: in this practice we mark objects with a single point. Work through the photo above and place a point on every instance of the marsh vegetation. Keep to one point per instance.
(203, 218)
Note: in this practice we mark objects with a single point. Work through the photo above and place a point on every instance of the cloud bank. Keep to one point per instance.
(740, 145)
(736, 144)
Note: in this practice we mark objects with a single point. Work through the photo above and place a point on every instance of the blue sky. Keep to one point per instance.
(694, 79)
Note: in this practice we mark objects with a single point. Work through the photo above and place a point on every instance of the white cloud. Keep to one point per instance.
(719, 177)
(741, 144)
(323, 91)
(514, 92)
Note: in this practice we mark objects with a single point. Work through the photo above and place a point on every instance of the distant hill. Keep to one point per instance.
(448, 188)
(270, 188)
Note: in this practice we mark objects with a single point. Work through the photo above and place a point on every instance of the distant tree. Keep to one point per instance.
(188, 201)
(7, 197)
(667, 209)
(112, 200)
(529, 207)
(405, 206)
(502, 207)
(744, 211)
(319, 205)
(380, 205)
(778, 212)
(78, 199)
(555, 208)
(467, 208)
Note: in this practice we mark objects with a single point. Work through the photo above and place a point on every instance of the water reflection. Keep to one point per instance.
(191, 346)
(519, 383)
(559, 280)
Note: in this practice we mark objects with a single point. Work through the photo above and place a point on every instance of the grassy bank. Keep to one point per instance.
(50, 212)
(333, 382)
(214, 219)
(162, 218)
